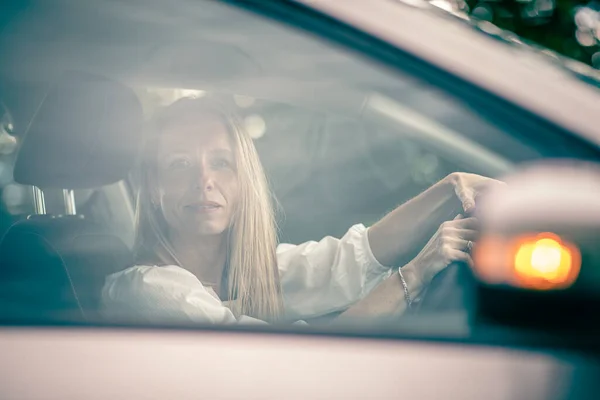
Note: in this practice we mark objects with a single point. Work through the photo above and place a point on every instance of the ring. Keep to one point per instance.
(469, 246)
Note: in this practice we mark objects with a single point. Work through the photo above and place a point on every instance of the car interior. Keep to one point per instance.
(343, 140)
(83, 136)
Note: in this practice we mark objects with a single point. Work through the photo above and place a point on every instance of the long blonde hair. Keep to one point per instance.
(251, 277)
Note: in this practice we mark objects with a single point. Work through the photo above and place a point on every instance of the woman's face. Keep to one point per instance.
(196, 184)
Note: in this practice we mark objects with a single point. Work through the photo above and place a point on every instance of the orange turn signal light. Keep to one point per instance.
(539, 261)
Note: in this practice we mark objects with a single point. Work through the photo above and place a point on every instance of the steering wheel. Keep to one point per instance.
(452, 290)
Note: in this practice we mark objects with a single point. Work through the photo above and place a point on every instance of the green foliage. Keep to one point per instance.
(559, 25)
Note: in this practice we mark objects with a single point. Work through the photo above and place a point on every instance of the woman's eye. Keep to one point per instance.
(179, 163)
(221, 164)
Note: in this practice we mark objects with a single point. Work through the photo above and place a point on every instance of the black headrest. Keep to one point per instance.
(86, 133)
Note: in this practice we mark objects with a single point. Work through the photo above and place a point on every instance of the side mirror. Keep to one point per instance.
(538, 259)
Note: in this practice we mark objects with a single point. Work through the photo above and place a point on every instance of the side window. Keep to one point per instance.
(343, 140)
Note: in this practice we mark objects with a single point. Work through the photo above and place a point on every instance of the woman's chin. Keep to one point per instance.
(209, 228)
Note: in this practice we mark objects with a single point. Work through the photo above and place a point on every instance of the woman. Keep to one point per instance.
(207, 246)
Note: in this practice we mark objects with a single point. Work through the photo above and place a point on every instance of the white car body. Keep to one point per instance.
(122, 364)
(117, 363)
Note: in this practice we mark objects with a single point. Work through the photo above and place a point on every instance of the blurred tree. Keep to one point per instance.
(569, 27)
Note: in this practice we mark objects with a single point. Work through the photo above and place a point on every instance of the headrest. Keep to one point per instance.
(86, 133)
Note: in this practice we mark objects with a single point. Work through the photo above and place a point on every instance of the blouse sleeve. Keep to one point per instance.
(318, 278)
(170, 294)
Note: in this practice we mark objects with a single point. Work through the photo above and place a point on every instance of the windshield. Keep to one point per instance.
(279, 179)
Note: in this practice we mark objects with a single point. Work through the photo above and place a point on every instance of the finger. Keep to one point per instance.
(459, 244)
(469, 206)
(465, 195)
(460, 256)
(466, 234)
(467, 199)
(465, 223)
(459, 216)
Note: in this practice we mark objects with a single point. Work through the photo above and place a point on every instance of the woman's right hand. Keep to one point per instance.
(449, 244)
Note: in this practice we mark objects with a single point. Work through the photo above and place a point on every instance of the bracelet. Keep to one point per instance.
(405, 287)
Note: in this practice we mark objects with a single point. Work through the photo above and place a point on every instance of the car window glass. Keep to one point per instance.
(343, 140)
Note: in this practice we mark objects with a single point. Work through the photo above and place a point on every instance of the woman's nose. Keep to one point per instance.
(204, 179)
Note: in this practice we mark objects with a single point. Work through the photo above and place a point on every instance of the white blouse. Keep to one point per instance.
(317, 278)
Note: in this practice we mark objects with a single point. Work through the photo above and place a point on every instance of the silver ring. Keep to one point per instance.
(469, 246)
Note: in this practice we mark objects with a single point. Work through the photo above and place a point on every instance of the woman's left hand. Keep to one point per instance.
(468, 186)
(451, 243)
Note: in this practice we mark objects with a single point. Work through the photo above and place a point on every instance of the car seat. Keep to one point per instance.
(87, 133)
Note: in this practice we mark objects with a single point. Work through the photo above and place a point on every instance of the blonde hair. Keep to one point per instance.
(251, 275)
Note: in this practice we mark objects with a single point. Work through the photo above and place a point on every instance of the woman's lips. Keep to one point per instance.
(203, 208)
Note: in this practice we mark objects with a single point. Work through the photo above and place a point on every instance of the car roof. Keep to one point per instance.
(560, 90)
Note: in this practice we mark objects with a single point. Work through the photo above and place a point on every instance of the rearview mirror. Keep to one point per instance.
(538, 259)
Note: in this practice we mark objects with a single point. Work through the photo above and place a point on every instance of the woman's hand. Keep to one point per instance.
(449, 244)
(468, 186)
(396, 238)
